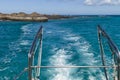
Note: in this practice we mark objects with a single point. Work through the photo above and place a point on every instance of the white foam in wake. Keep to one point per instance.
(14, 46)
(49, 32)
(73, 38)
(2, 69)
(26, 29)
(83, 49)
(60, 59)
(24, 42)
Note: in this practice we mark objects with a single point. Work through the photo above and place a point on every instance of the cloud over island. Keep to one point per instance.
(102, 2)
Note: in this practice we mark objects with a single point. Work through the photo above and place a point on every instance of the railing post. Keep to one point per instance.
(32, 53)
(114, 50)
(29, 67)
(102, 52)
(118, 71)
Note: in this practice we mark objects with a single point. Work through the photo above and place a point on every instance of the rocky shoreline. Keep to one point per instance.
(21, 16)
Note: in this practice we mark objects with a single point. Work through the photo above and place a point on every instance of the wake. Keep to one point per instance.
(77, 51)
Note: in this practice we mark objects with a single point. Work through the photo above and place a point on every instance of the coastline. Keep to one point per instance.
(37, 17)
(21, 16)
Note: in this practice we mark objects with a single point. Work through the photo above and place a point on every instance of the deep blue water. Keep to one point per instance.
(65, 42)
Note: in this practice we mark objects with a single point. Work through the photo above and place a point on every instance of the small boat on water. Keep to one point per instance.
(35, 54)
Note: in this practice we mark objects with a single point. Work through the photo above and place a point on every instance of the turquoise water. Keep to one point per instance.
(65, 42)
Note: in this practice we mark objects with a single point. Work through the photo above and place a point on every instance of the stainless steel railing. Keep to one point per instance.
(37, 44)
(114, 51)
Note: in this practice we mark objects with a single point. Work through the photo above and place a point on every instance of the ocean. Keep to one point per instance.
(66, 42)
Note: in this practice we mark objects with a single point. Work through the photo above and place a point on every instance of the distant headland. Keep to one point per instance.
(21, 16)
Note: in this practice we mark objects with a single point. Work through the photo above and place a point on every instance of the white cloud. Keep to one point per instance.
(102, 2)
(88, 2)
(107, 2)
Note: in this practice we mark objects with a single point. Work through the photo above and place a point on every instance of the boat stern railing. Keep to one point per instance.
(37, 44)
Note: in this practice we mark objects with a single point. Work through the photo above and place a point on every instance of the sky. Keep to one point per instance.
(68, 7)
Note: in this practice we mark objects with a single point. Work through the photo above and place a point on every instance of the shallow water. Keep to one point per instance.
(65, 42)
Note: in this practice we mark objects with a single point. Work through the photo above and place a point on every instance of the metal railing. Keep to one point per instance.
(37, 44)
(114, 51)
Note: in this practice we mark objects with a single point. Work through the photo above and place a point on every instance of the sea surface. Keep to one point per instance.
(66, 42)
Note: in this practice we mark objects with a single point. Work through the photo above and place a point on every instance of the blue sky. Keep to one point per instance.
(79, 7)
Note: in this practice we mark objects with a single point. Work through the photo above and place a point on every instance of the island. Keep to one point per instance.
(21, 16)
